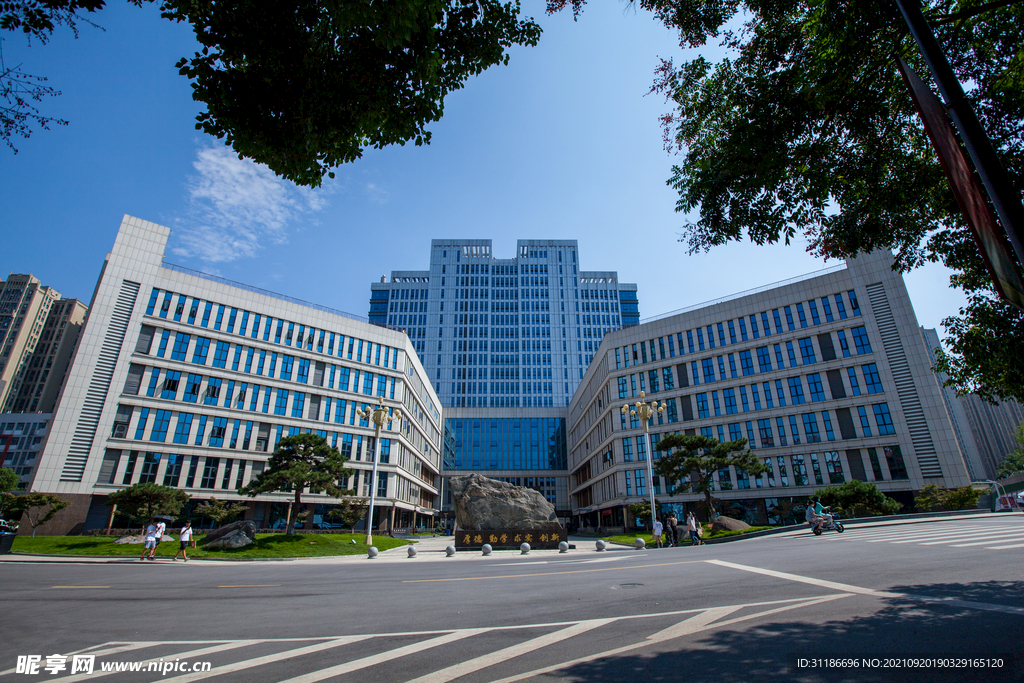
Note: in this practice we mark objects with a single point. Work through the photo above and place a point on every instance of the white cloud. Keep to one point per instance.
(237, 206)
(376, 194)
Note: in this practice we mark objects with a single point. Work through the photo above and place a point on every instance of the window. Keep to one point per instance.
(666, 375)
(149, 467)
(746, 363)
(854, 386)
(303, 373)
(883, 419)
(860, 340)
(154, 382)
(871, 378)
(779, 360)
(732, 366)
(811, 428)
(799, 471)
(764, 428)
(714, 401)
(209, 479)
(843, 344)
(796, 391)
(814, 312)
(807, 351)
(732, 333)
(781, 424)
(764, 359)
(180, 346)
(627, 450)
(671, 412)
(789, 318)
(794, 430)
(876, 467)
(864, 424)
(162, 349)
(801, 315)
(220, 425)
(181, 432)
(853, 303)
(298, 403)
(735, 433)
(140, 428)
(834, 467)
(702, 405)
(652, 376)
(709, 370)
(623, 388)
(170, 389)
(212, 392)
(827, 308)
(791, 353)
(743, 399)
(173, 471)
(281, 405)
(783, 477)
(828, 426)
(628, 477)
(840, 307)
(220, 356)
(894, 459)
(778, 321)
(238, 357)
(287, 362)
(814, 384)
(163, 419)
(730, 401)
(641, 485)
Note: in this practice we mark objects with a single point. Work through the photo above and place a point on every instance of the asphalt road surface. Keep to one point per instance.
(938, 601)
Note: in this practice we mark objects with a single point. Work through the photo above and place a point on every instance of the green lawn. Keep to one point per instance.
(684, 539)
(266, 546)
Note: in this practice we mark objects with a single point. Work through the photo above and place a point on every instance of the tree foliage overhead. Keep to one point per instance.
(806, 131)
(691, 463)
(305, 85)
(220, 510)
(1013, 462)
(302, 461)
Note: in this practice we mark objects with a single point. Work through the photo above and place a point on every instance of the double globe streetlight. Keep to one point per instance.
(645, 411)
(379, 416)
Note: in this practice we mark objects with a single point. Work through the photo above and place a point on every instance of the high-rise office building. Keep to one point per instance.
(505, 333)
(506, 342)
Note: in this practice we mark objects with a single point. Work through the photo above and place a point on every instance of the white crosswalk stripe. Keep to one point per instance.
(999, 534)
(228, 656)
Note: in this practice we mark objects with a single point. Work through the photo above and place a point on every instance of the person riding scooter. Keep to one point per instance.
(821, 511)
(813, 518)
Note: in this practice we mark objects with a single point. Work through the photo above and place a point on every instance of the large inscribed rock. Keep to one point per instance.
(482, 503)
(234, 535)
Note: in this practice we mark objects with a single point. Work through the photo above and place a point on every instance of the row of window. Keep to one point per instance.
(645, 352)
(194, 311)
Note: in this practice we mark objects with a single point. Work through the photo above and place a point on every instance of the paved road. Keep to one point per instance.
(734, 612)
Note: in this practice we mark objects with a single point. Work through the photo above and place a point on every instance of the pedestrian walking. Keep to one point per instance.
(149, 541)
(692, 526)
(185, 537)
(673, 529)
(656, 529)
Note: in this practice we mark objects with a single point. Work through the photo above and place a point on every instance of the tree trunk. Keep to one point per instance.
(293, 513)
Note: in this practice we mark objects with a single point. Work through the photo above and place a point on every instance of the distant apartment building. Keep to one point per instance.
(21, 439)
(992, 427)
(48, 365)
(505, 342)
(958, 418)
(827, 376)
(24, 306)
(189, 380)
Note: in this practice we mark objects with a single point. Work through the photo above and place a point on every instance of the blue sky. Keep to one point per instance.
(562, 143)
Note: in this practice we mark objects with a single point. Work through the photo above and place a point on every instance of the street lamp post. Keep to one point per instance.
(379, 417)
(645, 411)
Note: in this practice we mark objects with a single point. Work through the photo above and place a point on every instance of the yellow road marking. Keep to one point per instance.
(79, 586)
(576, 571)
(254, 585)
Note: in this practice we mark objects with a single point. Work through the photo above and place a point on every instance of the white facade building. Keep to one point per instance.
(188, 380)
(827, 375)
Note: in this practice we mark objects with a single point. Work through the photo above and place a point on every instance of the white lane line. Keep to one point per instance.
(472, 665)
(373, 660)
(914, 538)
(268, 659)
(993, 537)
(991, 540)
(847, 588)
(181, 655)
(1005, 547)
(703, 621)
(898, 535)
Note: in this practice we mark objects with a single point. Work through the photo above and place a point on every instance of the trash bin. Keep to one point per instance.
(6, 542)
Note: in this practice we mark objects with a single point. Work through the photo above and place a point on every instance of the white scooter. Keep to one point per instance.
(830, 525)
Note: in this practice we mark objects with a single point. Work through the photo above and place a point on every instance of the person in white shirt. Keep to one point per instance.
(150, 542)
(657, 528)
(185, 537)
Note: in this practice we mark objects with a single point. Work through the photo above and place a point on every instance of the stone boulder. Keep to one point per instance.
(724, 523)
(234, 535)
(483, 504)
(129, 539)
